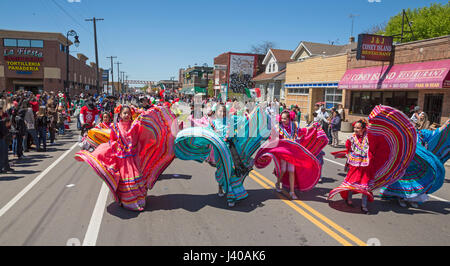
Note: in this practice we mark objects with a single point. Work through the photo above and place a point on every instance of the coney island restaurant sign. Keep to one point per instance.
(374, 47)
(426, 75)
(23, 60)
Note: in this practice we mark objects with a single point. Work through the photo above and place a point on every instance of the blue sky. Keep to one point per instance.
(153, 39)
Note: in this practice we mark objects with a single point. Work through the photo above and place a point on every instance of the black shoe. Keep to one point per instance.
(9, 170)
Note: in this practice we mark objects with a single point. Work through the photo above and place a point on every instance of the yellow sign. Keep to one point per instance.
(23, 66)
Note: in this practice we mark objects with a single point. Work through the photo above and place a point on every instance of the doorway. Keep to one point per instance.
(433, 107)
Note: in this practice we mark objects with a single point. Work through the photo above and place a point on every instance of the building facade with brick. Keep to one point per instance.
(233, 73)
(314, 74)
(417, 76)
(196, 79)
(36, 61)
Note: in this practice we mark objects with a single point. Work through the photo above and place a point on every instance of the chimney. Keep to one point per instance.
(352, 39)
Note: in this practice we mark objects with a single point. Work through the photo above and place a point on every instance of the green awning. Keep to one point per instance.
(200, 90)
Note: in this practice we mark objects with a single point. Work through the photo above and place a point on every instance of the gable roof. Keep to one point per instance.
(282, 56)
(268, 76)
(313, 48)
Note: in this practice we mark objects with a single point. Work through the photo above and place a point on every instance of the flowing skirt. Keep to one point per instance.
(392, 141)
(307, 166)
(426, 173)
(129, 177)
(196, 144)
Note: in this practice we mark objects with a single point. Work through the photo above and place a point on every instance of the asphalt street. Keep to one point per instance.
(54, 200)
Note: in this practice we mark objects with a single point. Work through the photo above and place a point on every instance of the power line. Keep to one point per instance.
(67, 13)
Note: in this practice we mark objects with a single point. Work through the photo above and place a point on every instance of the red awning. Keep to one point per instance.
(427, 75)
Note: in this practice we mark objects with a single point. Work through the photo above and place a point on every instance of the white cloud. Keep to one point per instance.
(372, 1)
(79, 1)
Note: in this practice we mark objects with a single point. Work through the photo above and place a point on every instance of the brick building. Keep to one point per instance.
(419, 75)
(195, 80)
(36, 61)
(233, 72)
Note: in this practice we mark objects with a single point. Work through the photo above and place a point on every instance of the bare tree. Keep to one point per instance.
(377, 29)
(262, 48)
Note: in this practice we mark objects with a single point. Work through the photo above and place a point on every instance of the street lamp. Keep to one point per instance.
(77, 43)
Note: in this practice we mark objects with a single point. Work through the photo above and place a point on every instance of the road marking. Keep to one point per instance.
(432, 196)
(314, 212)
(34, 182)
(90, 239)
(305, 214)
(441, 199)
(331, 161)
(73, 242)
(70, 185)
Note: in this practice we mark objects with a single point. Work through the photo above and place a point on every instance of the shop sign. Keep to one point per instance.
(22, 51)
(426, 75)
(23, 67)
(374, 47)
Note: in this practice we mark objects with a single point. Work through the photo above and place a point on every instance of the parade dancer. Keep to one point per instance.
(97, 135)
(234, 139)
(296, 155)
(137, 153)
(377, 154)
(426, 173)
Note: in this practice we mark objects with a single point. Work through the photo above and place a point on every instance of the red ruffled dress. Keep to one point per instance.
(307, 167)
(360, 172)
(135, 156)
(115, 163)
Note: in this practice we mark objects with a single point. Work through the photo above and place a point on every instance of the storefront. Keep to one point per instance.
(402, 86)
(314, 80)
(417, 74)
(37, 62)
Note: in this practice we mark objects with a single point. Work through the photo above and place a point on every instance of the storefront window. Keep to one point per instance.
(299, 91)
(433, 107)
(362, 103)
(10, 42)
(37, 43)
(23, 43)
(333, 97)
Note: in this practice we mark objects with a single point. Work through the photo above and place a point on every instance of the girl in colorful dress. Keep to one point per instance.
(295, 153)
(105, 122)
(98, 135)
(234, 139)
(378, 154)
(288, 130)
(359, 171)
(137, 153)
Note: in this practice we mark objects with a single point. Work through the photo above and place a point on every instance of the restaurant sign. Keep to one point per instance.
(426, 75)
(23, 61)
(374, 47)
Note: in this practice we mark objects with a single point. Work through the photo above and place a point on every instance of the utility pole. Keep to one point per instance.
(123, 80)
(118, 76)
(96, 50)
(352, 16)
(112, 73)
